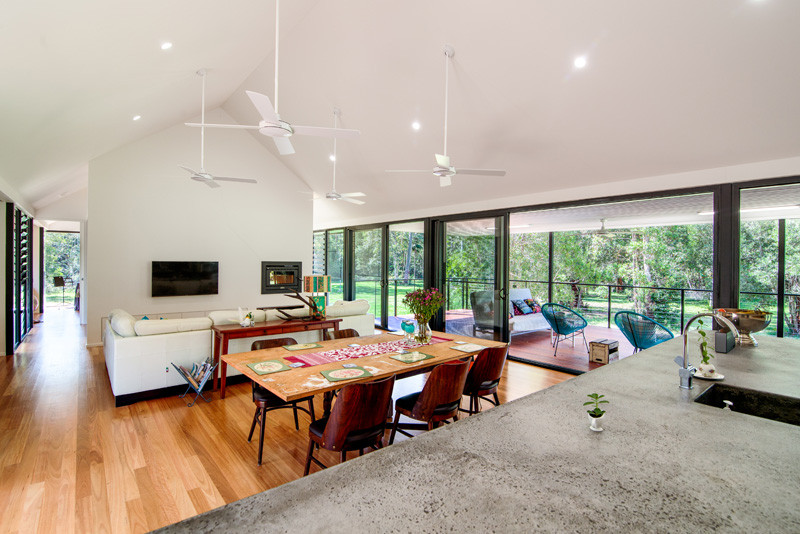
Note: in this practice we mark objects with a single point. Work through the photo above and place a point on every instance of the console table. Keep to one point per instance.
(224, 333)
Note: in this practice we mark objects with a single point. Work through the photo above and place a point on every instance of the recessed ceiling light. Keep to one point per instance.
(166, 45)
(416, 125)
(332, 157)
(137, 117)
(579, 62)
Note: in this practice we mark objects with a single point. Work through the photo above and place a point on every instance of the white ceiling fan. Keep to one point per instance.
(202, 176)
(443, 169)
(333, 195)
(271, 124)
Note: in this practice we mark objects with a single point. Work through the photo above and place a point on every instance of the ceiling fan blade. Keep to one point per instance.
(425, 171)
(284, 145)
(320, 131)
(243, 180)
(442, 161)
(207, 181)
(482, 172)
(231, 126)
(264, 106)
(444, 181)
(187, 169)
(351, 200)
(351, 195)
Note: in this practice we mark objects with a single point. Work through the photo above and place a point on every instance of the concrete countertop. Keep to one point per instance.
(663, 463)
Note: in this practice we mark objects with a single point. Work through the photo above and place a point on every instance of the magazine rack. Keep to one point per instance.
(196, 386)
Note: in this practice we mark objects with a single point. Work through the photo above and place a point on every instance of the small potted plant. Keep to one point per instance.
(596, 413)
(706, 368)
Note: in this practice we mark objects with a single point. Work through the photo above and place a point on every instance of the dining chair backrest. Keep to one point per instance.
(561, 319)
(485, 373)
(642, 331)
(443, 390)
(340, 334)
(359, 413)
(262, 344)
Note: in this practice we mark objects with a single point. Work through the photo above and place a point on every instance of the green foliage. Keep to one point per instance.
(61, 258)
(596, 401)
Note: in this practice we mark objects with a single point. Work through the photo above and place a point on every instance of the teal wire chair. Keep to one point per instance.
(642, 331)
(565, 323)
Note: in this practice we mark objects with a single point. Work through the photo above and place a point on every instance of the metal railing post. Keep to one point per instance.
(683, 303)
(609, 306)
(395, 297)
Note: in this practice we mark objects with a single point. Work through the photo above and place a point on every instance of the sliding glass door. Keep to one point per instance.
(406, 269)
(368, 268)
(473, 259)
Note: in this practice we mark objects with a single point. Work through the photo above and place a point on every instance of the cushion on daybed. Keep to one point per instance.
(521, 307)
(122, 323)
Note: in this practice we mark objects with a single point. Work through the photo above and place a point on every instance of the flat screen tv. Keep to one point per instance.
(176, 278)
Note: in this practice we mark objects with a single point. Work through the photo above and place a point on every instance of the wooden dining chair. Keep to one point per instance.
(267, 401)
(328, 335)
(438, 401)
(357, 421)
(484, 377)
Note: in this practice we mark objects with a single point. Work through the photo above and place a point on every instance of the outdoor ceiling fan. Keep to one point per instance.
(202, 176)
(333, 195)
(271, 124)
(443, 168)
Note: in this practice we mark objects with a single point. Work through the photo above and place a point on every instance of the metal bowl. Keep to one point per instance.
(747, 321)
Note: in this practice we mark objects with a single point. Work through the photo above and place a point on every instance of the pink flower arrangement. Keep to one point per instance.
(424, 303)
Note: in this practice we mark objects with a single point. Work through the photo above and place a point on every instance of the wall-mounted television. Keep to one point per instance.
(177, 278)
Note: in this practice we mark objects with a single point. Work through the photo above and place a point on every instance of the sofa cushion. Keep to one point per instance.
(221, 317)
(171, 326)
(122, 323)
(344, 308)
(145, 327)
(190, 324)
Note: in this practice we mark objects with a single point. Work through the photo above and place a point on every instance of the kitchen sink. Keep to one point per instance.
(759, 403)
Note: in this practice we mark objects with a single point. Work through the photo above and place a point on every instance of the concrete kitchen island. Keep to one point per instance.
(663, 464)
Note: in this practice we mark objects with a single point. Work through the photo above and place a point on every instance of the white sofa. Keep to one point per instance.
(139, 352)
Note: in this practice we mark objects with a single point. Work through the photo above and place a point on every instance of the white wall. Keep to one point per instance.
(142, 207)
(3, 284)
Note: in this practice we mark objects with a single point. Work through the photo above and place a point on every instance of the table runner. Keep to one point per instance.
(349, 353)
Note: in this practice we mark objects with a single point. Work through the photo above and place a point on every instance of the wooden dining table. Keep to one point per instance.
(299, 382)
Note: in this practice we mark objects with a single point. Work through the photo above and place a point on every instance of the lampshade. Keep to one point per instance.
(58, 281)
(318, 283)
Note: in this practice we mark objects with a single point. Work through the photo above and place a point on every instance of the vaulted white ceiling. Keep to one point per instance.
(669, 87)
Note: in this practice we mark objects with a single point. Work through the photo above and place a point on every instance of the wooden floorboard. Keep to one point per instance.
(70, 461)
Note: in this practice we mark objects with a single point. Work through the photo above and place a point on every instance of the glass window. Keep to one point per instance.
(406, 265)
(335, 264)
(318, 254)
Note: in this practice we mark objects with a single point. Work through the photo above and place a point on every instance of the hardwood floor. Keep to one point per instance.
(72, 462)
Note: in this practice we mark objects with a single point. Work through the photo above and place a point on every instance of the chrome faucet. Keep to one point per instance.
(686, 372)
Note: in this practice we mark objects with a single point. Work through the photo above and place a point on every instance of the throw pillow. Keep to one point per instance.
(534, 305)
(521, 308)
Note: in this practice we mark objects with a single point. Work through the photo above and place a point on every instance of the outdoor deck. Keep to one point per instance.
(535, 347)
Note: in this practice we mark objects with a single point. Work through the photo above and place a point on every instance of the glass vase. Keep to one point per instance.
(423, 334)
